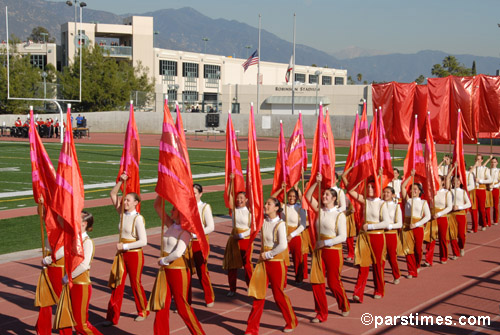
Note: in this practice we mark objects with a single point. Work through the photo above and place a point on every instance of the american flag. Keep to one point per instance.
(252, 60)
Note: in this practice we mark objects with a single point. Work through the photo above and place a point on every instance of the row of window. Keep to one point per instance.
(191, 96)
(191, 70)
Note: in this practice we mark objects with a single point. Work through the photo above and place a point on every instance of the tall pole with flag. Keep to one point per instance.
(293, 67)
(258, 69)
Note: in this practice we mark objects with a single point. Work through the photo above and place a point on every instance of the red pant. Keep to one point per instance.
(484, 213)
(295, 247)
(44, 322)
(496, 196)
(350, 247)
(391, 242)
(332, 267)
(442, 223)
(413, 260)
(202, 271)
(232, 274)
(80, 299)
(276, 275)
(474, 218)
(377, 242)
(462, 227)
(134, 262)
(178, 282)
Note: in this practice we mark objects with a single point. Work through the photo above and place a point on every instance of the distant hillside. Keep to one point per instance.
(184, 29)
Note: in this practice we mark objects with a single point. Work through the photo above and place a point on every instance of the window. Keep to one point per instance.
(38, 61)
(313, 79)
(339, 81)
(211, 71)
(189, 96)
(172, 95)
(168, 68)
(300, 77)
(190, 70)
(326, 80)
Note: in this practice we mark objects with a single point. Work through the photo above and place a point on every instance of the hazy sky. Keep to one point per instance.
(403, 26)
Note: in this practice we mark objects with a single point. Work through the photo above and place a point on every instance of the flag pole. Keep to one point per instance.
(162, 225)
(286, 206)
(122, 209)
(258, 69)
(293, 67)
(40, 214)
(491, 144)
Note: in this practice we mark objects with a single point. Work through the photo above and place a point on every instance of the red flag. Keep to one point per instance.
(363, 165)
(458, 152)
(254, 182)
(175, 184)
(321, 163)
(352, 148)
(69, 198)
(374, 137)
(331, 149)
(432, 182)
(297, 153)
(415, 157)
(383, 159)
(233, 163)
(180, 129)
(131, 156)
(281, 174)
(44, 181)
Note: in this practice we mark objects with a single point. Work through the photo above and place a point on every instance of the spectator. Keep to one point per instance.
(79, 120)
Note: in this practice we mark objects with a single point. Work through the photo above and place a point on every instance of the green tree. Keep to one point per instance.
(420, 80)
(450, 67)
(106, 83)
(36, 35)
(350, 81)
(359, 77)
(474, 72)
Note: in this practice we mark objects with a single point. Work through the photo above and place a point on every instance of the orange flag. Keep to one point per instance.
(44, 182)
(233, 163)
(458, 151)
(383, 158)
(352, 148)
(131, 157)
(254, 182)
(297, 153)
(432, 181)
(281, 168)
(180, 129)
(414, 159)
(175, 184)
(69, 198)
(374, 135)
(330, 150)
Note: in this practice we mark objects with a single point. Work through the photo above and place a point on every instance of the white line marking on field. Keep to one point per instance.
(22, 205)
(10, 169)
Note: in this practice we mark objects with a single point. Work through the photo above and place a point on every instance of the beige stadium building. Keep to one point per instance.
(213, 81)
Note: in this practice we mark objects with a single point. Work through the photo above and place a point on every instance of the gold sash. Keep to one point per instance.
(306, 241)
(407, 238)
(45, 295)
(158, 295)
(64, 312)
(257, 287)
(452, 227)
(232, 256)
(117, 270)
(317, 275)
(431, 228)
(473, 201)
(489, 199)
(351, 226)
(83, 279)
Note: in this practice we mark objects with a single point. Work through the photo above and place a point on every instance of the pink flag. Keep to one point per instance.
(233, 163)
(383, 159)
(180, 130)
(297, 153)
(281, 171)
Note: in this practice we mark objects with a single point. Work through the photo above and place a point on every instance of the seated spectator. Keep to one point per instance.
(79, 119)
(18, 123)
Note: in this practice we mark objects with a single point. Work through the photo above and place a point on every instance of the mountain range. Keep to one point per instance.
(185, 28)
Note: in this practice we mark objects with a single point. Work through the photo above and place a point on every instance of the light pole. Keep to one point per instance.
(156, 32)
(317, 74)
(218, 82)
(248, 47)
(44, 74)
(174, 87)
(205, 39)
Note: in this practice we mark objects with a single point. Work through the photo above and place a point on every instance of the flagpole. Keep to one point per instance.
(293, 67)
(122, 209)
(286, 206)
(162, 225)
(40, 214)
(258, 69)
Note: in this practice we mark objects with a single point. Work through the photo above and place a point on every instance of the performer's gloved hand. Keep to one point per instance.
(241, 236)
(328, 243)
(389, 226)
(320, 244)
(65, 280)
(162, 262)
(194, 235)
(47, 260)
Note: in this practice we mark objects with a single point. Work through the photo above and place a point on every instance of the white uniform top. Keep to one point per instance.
(395, 214)
(206, 217)
(495, 176)
(376, 212)
(295, 217)
(483, 175)
(396, 185)
(130, 232)
(242, 220)
(443, 199)
(420, 209)
(443, 170)
(270, 229)
(340, 198)
(175, 242)
(333, 223)
(470, 180)
(88, 249)
(460, 198)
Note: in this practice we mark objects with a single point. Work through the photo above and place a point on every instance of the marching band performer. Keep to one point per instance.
(238, 248)
(458, 223)
(495, 187)
(483, 178)
(327, 259)
(133, 238)
(370, 246)
(392, 240)
(471, 188)
(272, 258)
(177, 274)
(438, 227)
(207, 221)
(444, 166)
(417, 214)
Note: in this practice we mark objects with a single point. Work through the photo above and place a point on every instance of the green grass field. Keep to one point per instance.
(99, 164)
